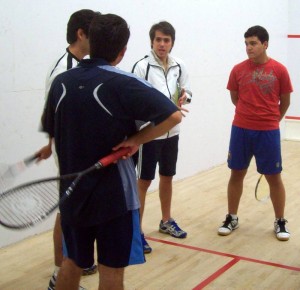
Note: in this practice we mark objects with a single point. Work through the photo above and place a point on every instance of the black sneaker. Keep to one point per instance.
(281, 230)
(228, 226)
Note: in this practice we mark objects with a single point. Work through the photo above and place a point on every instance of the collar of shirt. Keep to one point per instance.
(155, 60)
(93, 62)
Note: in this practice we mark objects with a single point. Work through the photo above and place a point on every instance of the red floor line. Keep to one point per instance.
(215, 275)
(292, 118)
(226, 255)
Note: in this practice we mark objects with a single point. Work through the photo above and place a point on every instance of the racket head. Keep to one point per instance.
(28, 204)
(262, 190)
(25, 205)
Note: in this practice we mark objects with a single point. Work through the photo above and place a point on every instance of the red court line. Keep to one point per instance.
(215, 275)
(227, 255)
(292, 118)
(293, 36)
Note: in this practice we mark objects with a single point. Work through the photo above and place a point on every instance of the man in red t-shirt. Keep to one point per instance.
(260, 89)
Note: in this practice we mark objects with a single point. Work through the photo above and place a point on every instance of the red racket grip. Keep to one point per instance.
(114, 156)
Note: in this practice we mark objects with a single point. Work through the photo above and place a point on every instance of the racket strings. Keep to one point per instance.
(262, 190)
(27, 205)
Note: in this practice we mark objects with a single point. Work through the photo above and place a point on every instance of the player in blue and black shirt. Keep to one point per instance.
(91, 110)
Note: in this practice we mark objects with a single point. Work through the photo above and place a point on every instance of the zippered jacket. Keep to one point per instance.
(169, 83)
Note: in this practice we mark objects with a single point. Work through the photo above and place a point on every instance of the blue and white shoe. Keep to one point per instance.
(90, 271)
(146, 247)
(171, 228)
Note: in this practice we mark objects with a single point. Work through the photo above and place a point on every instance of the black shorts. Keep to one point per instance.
(161, 151)
(118, 242)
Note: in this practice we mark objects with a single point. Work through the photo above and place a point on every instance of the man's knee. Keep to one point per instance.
(111, 278)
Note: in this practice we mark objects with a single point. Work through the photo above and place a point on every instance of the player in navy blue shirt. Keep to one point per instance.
(91, 110)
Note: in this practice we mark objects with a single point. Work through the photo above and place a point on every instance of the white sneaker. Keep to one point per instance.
(228, 226)
(281, 230)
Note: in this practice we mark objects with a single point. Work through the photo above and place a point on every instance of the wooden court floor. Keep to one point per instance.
(250, 258)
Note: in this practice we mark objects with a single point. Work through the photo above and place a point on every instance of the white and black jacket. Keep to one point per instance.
(167, 82)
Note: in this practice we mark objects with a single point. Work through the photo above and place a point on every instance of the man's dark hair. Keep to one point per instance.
(164, 27)
(79, 20)
(109, 34)
(260, 32)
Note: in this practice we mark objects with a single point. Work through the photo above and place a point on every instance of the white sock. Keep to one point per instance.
(234, 216)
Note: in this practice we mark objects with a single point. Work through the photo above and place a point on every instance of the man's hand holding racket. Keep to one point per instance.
(46, 151)
(181, 101)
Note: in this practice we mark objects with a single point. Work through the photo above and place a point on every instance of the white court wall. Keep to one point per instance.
(209, 38)
(292, 120)
(293, 61)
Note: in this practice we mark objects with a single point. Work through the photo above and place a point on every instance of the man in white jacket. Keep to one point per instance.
(168, 75)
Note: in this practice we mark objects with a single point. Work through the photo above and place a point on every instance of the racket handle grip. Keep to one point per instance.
(31, 159)
(114, 156)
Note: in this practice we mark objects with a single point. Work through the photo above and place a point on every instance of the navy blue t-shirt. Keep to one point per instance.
(90, 109)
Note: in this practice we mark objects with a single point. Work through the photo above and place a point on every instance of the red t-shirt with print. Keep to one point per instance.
(259, 88)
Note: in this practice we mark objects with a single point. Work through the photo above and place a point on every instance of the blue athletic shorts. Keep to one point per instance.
(161, 151)
(118, 242)
(263, 145)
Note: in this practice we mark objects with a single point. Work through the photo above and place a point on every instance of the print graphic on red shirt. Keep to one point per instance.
(259, 88)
